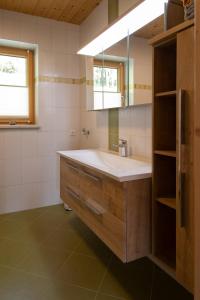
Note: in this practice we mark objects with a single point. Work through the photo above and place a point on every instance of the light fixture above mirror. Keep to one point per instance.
(137, 18)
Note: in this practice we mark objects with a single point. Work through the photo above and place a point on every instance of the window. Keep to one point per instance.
(16, 86)
(108, 84)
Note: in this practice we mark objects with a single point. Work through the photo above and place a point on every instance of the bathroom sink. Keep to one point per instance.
(119, 168)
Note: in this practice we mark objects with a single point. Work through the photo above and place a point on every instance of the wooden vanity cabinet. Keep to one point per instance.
(117, 212)
(173, 130)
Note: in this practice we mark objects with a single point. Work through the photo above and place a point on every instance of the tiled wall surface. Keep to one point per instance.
(29, 174)
(28, 161)
(135, 125)
(94, 24)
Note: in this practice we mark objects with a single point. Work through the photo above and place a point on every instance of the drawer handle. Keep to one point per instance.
(94, 207)
(90, 176)
(72, 193)
(181, 142)
(72, 167)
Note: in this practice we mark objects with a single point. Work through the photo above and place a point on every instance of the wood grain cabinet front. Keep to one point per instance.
(117, 212)
(173, 148)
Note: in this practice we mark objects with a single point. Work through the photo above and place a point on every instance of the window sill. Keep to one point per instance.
(23, 126)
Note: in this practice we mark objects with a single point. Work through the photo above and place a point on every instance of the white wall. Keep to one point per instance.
(134, 122)
(28, 162)
(95, 23)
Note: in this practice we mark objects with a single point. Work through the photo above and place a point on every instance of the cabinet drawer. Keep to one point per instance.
(108, 227)
(70, 197)
(69, 173)
(91, 185)
(104, 191)
(98, 218)
(113, 197)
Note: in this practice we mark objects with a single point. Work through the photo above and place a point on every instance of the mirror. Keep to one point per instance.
(121, 76)
(110, 85)
(140, 71)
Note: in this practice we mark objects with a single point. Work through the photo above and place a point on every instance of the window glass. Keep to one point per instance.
(13, 101)
(13, 70)
(16, 85)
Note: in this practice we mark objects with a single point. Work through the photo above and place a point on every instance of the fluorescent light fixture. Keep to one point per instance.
(140, 16)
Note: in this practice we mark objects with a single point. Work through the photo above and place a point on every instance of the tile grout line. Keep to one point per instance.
(103, 277)
(45, 278)
(72, 252)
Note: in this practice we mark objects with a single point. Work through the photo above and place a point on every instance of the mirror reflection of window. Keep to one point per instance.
(108, 84)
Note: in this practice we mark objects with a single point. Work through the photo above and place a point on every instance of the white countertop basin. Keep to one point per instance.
(119, 168)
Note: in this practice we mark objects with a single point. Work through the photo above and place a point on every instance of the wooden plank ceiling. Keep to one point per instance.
(71, 11)
(151, 29)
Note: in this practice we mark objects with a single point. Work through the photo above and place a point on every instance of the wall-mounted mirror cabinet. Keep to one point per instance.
(120, 76)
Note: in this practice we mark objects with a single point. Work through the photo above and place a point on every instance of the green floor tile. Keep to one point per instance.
(129, 281)
(83, 271)
(44, 261)
(12, 252)
(63, 239)
(107, 297)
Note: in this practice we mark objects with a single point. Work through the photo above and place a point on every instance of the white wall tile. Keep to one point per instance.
(66, 65)
(30, 35)
(28, 167)
(47, 168)
(45, 95)
(29, 144)
(31, 170)
(65, 38)
(11, 25)
(46, 119)
(43, 28)
(149, 120)
(13, 199)
(66, 95)
(10, 172)
(138, 145)
(31, 195)
(2, 145)
(13, 142)
(46, 143)
(138, 120)
(46, 63)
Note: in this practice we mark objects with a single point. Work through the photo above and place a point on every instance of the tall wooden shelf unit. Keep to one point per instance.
(172, 230)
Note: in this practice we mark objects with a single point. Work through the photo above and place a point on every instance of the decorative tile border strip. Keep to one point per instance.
(83, 80)
(59, 80)
(140, 86)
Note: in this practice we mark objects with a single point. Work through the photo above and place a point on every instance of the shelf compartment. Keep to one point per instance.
(169, 153)
(167, 94)
(165, 67)
(164, 177)
(169, 202)
(165, 235)
(164, 125)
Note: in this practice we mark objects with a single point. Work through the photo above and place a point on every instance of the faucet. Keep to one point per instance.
(123, 147)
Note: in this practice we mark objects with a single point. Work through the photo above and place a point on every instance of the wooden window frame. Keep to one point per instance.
(29, 55)
(115, 65)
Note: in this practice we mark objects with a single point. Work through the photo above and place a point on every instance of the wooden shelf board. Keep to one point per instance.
(163, 265)
(164, 94)
(167, 260)
(171, 32)
(166, 153)
(170, 202)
